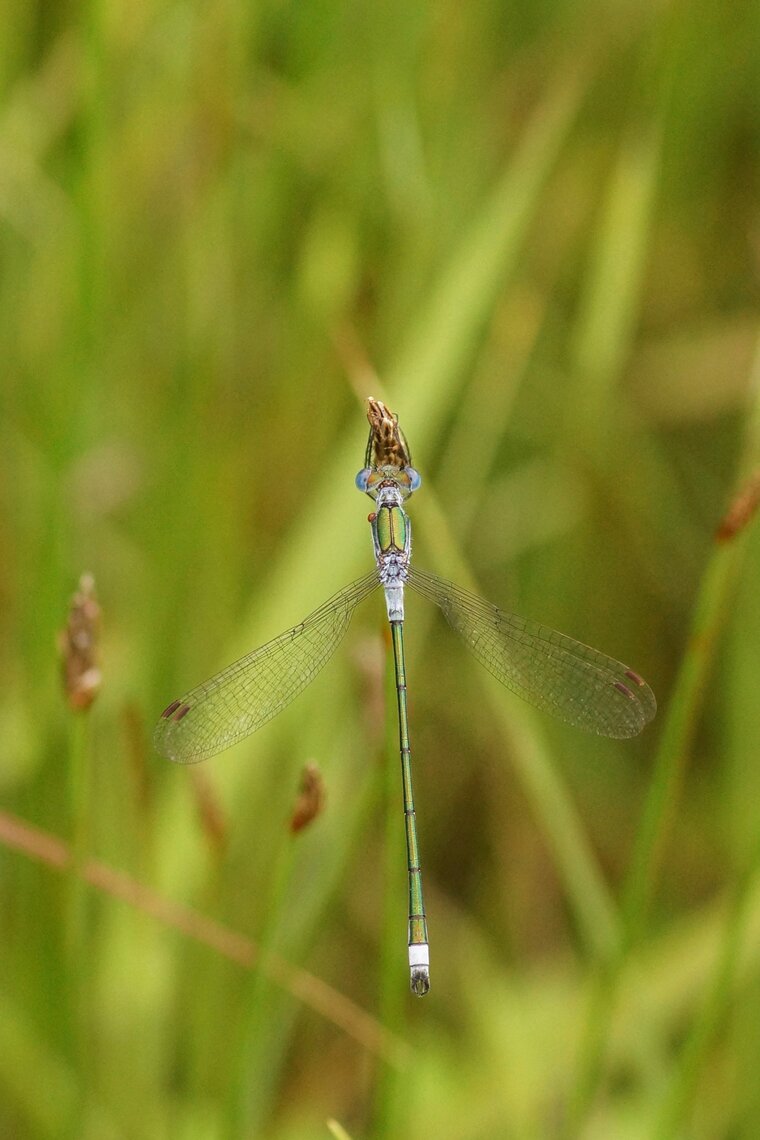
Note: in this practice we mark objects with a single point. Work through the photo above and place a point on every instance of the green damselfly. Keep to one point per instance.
(579, 685)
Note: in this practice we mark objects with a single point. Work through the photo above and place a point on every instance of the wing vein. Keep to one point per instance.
(551, 671)
(246, 694)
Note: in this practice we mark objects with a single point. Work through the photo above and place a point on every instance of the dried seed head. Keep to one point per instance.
(212, 816)
(387, 445)
(78, 646)
(311, 798)
(741, 510)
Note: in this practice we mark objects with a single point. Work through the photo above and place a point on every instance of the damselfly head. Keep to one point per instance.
(373, 480)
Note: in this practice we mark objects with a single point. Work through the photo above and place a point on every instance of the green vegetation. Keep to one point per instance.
(533, 230)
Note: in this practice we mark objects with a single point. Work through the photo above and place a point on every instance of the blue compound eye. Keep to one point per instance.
(414, 477)
(362, 479)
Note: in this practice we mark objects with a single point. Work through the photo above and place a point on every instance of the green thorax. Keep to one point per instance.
(390, 525)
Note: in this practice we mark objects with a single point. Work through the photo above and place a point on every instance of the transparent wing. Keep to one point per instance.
(248, 693)
(550, 671)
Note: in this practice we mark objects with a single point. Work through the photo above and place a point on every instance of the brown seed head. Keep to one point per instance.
(741, 510)
(311, 798)
(388, 446)
(78, 646)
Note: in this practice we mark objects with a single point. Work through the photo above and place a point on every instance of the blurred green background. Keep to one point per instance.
(533, 229)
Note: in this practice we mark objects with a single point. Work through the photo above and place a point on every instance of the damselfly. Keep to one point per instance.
(573, 682)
